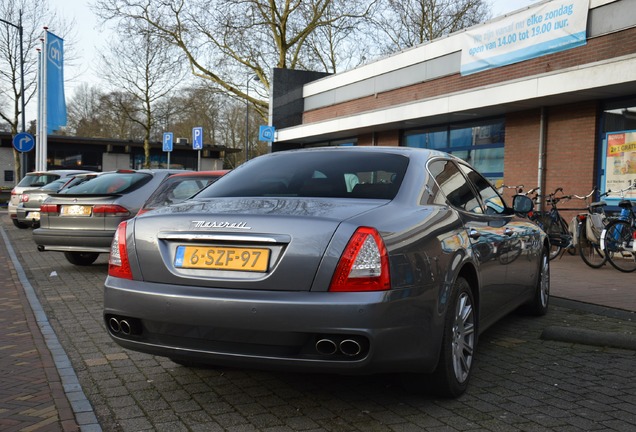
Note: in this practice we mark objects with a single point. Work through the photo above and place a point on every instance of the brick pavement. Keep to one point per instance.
(32, 397)
(521, 381)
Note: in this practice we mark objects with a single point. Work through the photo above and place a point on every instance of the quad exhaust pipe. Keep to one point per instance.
(328, 346)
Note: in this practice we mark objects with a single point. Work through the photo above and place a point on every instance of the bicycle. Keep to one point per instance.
(589, 226)
(552, 223)
(618, 239)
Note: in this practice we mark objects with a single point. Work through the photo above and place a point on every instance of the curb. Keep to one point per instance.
(591, 337)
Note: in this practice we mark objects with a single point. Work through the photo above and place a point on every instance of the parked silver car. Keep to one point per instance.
(28, 211)
(34, 180)
(81, 221)
(339, 259)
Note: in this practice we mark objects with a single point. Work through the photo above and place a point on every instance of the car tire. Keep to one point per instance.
(456, 361)
(81, 258)
(538, 306)
(20, 225)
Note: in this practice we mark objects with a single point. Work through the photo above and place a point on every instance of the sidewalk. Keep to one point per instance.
(39, 390)
(572, 279)
(31, 393)
(38, 387)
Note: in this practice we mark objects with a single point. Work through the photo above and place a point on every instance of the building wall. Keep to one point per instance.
(570, 150)
(599, 48)
(6, 164)
(521, 151)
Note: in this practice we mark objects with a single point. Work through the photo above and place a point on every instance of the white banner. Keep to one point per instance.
(544, 29)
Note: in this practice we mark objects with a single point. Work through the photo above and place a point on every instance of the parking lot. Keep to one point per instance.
(522, 381)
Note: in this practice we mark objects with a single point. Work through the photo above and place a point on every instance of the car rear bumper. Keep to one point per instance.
(73, 240)
(303, 331)
(28, 217)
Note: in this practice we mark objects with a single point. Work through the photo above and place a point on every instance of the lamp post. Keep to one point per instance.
(247, 117)
(20, 33)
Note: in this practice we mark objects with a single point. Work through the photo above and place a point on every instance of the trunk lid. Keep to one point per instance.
(243, 243)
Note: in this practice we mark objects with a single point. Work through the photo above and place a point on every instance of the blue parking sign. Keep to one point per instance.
(168, 138)
(197, 138)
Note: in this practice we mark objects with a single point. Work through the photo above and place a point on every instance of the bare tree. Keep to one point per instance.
(146, 69)
(83, 112)
(32, 16)
(228, 42)
(407, 23)
(114, 120)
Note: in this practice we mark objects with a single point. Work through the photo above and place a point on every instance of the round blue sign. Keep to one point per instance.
(24, 142)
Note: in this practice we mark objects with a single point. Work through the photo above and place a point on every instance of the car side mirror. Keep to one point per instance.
(522, 204)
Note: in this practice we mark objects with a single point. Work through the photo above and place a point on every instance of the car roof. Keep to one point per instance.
(57, 172)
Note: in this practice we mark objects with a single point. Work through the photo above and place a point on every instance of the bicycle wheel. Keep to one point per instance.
(558, 234)
(619, 246)
(590, 251)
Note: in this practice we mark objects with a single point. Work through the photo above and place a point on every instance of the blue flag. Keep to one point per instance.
(55, 101)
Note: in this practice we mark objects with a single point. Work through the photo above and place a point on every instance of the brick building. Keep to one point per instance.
(539, 116)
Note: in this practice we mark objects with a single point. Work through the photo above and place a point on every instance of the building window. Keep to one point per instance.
(8, 175)
(479, 143)
(618, 148)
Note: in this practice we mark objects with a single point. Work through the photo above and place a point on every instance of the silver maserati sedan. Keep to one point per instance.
(339, 260)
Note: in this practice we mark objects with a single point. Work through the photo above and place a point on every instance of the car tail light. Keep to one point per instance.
(143, 210)
(13, 192)
(49, 208)
(364, 264)
(110, 210)
(118, 264)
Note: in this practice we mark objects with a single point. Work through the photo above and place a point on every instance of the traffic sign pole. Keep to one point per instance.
(197, 143)
(168, 140)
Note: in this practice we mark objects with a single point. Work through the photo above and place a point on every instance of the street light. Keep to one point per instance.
(20, 32)
(247, 117)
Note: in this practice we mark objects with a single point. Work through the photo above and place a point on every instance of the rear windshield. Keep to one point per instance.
(54, 185)
(77, 180)
(333, 174)
(109, 183)
(37, 180)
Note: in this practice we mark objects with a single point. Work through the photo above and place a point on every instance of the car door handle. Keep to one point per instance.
(474, 234)
(508, 232)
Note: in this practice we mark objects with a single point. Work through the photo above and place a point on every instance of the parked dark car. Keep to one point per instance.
(179, 187)
(342, 260)
(81, 221)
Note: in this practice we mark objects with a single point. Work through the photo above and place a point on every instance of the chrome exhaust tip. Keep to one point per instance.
(125, 327)
(350, 347)
(114, 325)
(326, 347)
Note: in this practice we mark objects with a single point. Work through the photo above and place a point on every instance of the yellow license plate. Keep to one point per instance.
(222, 258)
(76, 210)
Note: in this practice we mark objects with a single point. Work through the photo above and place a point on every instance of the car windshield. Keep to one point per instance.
(333, 174)
(109, 183)
(37, 180)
